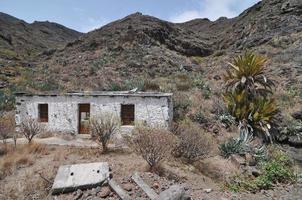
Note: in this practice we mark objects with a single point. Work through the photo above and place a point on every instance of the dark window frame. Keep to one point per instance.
(43, 112)
(126, 119)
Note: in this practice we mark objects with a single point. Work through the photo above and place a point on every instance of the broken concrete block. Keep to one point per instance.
(175, 192)
(80, 176)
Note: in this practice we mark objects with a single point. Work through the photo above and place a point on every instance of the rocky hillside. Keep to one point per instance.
(144, 47)
(20, 40)
(140, 45)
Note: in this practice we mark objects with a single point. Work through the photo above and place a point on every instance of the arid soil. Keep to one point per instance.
(30, 170)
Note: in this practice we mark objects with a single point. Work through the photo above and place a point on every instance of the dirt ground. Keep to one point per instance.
(28, 172)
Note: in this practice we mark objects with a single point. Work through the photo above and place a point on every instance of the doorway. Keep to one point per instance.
(84, 117)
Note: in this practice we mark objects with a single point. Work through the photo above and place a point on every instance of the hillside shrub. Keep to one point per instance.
(182, 103)
(153, 144)
(183, 82)
(102, 128)
(199, 116)
(193, 143)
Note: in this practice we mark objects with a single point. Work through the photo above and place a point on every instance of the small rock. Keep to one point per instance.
(105, 192)
(155, 185)
(127, 186)
(255, 172)
(208, 190)
(250, 160)
(98, 189)
(78, 195)
(237, 160)
(297, 115)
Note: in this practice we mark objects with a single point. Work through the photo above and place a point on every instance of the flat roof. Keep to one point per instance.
(99, 93)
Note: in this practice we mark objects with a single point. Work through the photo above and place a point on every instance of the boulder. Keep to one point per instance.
(237, 160)
(250, 161)
(175, 192)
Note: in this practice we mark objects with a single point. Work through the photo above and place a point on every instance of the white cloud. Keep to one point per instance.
(213, 9)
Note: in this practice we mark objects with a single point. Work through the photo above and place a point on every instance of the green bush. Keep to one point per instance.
(277, 169)
(200, 117)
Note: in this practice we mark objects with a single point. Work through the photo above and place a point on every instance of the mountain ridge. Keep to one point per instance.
(142, 46)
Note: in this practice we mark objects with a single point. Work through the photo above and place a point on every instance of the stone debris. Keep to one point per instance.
(105, 192)
(175, 192)
(208, 190)
(80, 176)
(149, 191)
(118, 190)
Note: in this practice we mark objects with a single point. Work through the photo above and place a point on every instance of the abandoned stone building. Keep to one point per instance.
(70, 112)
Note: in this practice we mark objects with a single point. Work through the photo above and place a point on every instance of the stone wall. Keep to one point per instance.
(63, 110)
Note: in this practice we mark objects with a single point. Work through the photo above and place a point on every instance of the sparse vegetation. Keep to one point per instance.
(277, 169)
(153, 144)
(232, 146)
(30, 127)
(182, 103)
(102, 128)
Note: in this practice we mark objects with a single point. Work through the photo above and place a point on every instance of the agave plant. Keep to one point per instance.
(254, 116)
(247, 73)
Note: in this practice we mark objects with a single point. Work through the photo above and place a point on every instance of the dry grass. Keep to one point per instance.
(20, 157)
(45, 134)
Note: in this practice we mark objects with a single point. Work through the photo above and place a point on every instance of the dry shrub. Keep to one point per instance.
(7, 126)
(193, 142)
(153, 144)
(102, 128)
(30, 128)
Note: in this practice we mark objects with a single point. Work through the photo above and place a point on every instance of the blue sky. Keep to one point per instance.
(86, 15)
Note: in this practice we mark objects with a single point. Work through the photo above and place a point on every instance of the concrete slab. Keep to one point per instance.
(80, 176)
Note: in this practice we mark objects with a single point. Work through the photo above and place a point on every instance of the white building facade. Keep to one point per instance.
(71, 112)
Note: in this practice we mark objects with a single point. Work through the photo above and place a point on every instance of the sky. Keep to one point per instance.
(87, 15)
